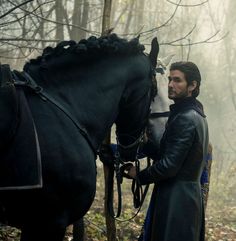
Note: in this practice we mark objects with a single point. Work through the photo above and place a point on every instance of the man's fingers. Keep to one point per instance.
(125, 170)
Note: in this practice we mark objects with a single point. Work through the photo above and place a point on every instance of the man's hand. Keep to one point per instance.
(130, 171)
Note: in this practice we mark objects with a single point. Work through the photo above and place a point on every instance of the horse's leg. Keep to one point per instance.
(40, 232)
(78, 230)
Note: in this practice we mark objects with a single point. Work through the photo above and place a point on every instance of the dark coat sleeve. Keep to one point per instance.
(178, 140)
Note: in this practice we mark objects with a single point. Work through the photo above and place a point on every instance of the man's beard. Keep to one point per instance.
(181, 95)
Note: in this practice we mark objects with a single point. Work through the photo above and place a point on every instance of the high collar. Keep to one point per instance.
(186, 104)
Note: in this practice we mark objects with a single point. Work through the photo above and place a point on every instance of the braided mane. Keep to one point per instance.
(89, 48)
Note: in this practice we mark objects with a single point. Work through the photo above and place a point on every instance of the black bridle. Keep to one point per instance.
(120, 165)
(138, 192)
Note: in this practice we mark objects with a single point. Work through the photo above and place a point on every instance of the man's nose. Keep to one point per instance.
(170, 84)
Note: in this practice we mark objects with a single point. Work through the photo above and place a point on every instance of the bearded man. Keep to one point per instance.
(176, 211)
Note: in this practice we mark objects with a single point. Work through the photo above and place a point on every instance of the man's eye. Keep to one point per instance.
(177, 80)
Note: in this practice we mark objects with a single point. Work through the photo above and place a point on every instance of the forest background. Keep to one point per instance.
(202, 31)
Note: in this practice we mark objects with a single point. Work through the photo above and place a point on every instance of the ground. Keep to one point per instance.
(220, 219)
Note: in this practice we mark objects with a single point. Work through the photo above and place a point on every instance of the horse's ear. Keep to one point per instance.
(154, 52)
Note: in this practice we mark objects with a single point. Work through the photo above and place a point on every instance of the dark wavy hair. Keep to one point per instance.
(191, 73)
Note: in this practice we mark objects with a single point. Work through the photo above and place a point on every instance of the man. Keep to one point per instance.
(176, 211)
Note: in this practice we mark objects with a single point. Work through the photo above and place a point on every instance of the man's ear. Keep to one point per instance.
(193, 85)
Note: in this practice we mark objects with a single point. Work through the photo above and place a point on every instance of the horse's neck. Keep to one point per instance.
(93, 93)
(93, 98)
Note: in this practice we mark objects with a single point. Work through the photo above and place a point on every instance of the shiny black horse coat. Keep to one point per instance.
(100, 81)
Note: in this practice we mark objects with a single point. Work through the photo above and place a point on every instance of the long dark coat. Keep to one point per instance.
(176, 211)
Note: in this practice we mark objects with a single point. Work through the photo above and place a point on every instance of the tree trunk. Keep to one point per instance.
(59, 14)
(128, 22)
(79, 18)
(230, 53)
(78, 230)
(108, 173)
(140, 19)
(76, 19)
(82, 34)
(106, 20)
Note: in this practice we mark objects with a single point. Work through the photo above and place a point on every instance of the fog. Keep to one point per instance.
(216, 60)
(202, 31)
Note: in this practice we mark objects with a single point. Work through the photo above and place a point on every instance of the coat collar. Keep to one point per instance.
(187, 104)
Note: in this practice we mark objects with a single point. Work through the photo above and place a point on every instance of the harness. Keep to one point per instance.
(30, 83)
(108, 153)
(12, 177)
(138, 192)
(120, 166)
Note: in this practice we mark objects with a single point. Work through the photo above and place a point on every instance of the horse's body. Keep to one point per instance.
(99, 88)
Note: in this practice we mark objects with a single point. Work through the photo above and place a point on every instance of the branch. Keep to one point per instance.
(16, 46)
(26, 14)
(198, 42)
(184, 37)
(214, 41)
(189, 49)
(56, 22)
(16, 6)
(30, 40)
(171, 17)
(187, 5)
(158, 27)
(122, 12)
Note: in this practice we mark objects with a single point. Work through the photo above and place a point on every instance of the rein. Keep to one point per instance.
(137, 190)
(119, 166)
(46, 97)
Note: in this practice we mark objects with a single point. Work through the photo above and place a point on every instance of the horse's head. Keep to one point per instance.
(133, 116)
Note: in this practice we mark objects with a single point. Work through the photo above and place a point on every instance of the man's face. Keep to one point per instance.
(178, 87)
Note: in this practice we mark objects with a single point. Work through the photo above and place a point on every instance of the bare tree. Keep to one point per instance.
(79, 17)
(59, 13)
(230, 54)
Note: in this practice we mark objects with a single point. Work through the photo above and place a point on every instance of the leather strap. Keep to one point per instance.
(138, 193)
(39, 90)
(159, 114)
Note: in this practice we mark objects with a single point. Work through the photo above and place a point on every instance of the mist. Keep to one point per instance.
(201, 31)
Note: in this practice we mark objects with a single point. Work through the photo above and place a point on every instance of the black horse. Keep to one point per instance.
(75, 92)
